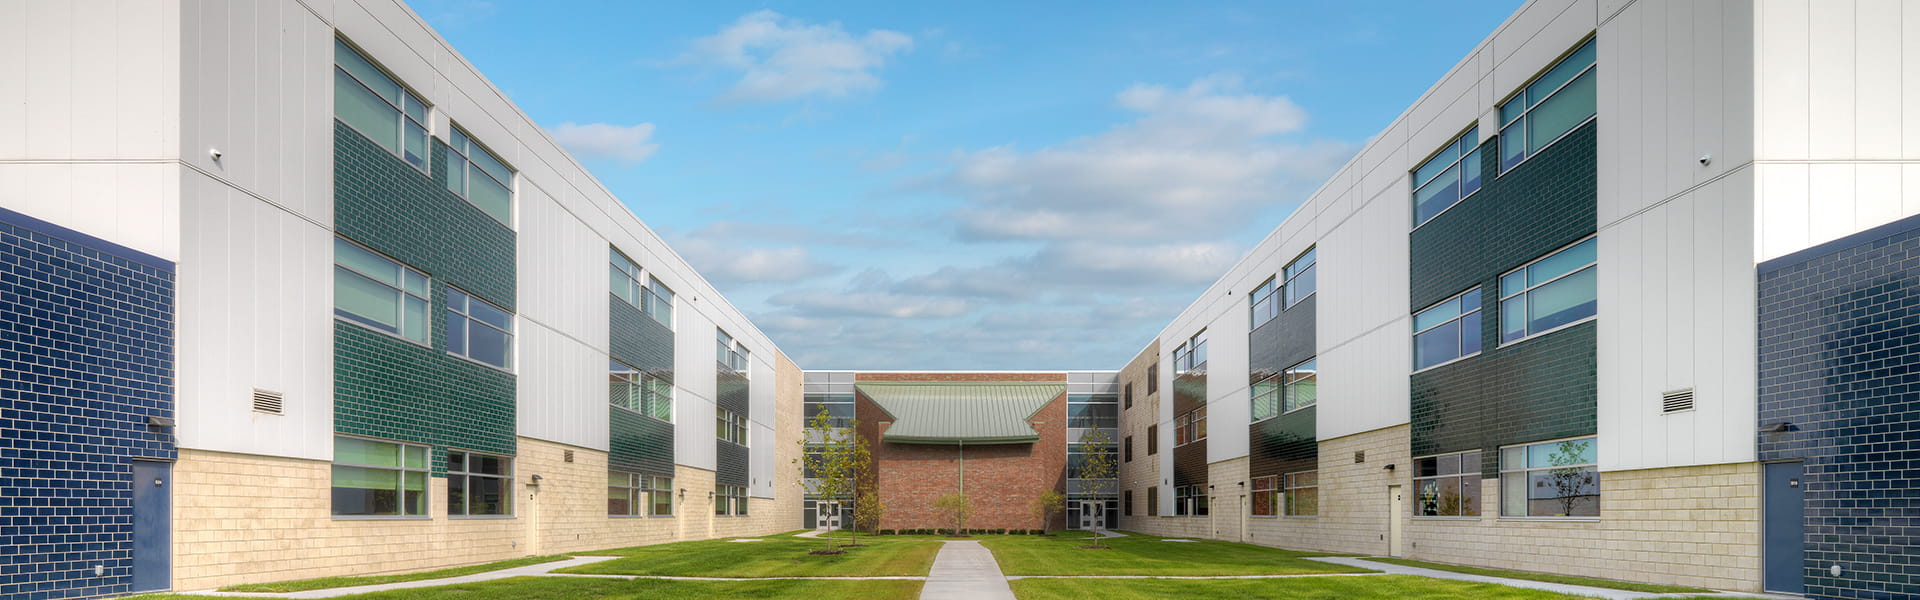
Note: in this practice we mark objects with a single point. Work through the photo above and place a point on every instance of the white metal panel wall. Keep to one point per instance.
(1676, 293)
(89, 118)
(1364, 342)
(255, 298)
(693, 374)
(762, 451)
(1837, 119)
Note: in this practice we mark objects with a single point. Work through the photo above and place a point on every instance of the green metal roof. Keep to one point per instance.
(961, 412)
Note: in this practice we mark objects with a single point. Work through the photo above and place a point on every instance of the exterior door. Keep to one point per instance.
(1397, 508)
(1090, 515)
(1785, 512)
(829, 516)
(152, 526)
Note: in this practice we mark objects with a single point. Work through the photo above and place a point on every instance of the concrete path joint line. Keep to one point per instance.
(965, 570)
(1572, 590)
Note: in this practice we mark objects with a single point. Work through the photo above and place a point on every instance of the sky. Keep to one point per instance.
(963, 185)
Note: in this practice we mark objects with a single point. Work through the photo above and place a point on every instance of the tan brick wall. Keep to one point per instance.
(1353, 497)
(1144, 470)
(1692, 526)
(569, 507)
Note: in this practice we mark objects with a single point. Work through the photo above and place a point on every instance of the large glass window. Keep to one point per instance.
(1301, 280)
(1303, 494)
(634, 495)
(730, 426)
(1266, 496)
(479, 484)
(1093, 411)
(1550, 479)
(1190, 427)
(639, 391)
(1560, 100)
(1190, 501)
(374, 478)
(376, 105)
(1191, 355)
(480, 177)
(730, 500)
(1558, 290)
(1301, 387)
(1266, 398)
(478, 330)
(1447, 178)
(1263, 304)
(372, 290)
(1447, 331)
(643, 291)
(729, 352)
(838, 406)
(1447, 485)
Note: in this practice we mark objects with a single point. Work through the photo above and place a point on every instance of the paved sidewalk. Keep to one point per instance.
(539, 569)
(1576, 590)
(965, 570)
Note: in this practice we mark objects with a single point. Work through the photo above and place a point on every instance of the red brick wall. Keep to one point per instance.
(1001, 480)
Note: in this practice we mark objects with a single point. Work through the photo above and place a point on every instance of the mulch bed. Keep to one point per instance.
(827, 552)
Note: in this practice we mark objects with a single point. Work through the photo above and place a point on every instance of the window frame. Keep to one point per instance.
(1465, 473)
(1126, 503)
(467, 338)
(1153, 379)
(403, 269)
(1521, 95)
(1153, 501)
(1526, 471)
(1153, 439)
(1190, 426)
(426, 486)
(1287, 386)
(426, 110)
(1459, 161)
(506, 485)
(1127, 444)
(730, 427)
(635, 487)
(1527, 289)
(1263, 298)
(455, 133)
(648, 387)
(1291, 277)
(1269, 388)
(730, 500)
(639, 283)
(1288, 504)
(1272, 492)
(1479, 309)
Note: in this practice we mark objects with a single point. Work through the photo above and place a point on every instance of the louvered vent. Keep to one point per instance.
(273, 403)
(1676, 401)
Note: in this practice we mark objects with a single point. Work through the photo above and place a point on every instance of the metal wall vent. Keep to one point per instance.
(272, 403)
(1676, 401)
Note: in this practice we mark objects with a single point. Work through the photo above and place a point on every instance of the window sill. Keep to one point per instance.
(1302, 299)
(380, 331)
(643, 414)
(382, 518)
(1264, 516)
(1483, 185)
(1300, 409)
(1423, 370)
(1307, 517)
(480, 362)
(1543, 148)
(1446, 518)
(1553, 519)
(639, 516)
(481, 517)
(426, 169)
(1548, 332)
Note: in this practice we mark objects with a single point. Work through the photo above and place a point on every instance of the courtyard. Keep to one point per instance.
(1066, 564)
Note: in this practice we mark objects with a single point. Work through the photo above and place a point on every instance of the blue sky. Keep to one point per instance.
(978, 185)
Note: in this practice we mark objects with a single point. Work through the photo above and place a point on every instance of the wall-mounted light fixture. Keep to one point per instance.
(683, 493)
(536, 479)
(1389, 467)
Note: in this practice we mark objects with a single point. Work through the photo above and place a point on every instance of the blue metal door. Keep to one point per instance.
(1786, 535)
(152, 526)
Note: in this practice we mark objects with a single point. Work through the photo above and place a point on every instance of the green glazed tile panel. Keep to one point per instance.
(387, 387)
(639, 443)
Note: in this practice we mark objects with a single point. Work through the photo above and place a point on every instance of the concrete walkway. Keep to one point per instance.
(539, 569)
(965, 570)
(1576, 590)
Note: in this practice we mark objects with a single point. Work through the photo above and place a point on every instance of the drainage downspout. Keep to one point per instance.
(963, 467)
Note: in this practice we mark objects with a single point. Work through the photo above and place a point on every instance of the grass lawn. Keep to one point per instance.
(337, 582)
(1566, 579)
(584, 588)
(776, 556)
(1394, 587)
(1147, 555)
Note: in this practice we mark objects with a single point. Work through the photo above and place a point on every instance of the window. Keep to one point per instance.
(1301, 386)
(1447, 485)
(1552, 292)
(730, 426)
(1153, 378)
(1555, 103)
(1126, 502)
(1550, 479)
(1128, 445)
(1191, 355)
(1093, 411)
(370, 102)
(1447, 331)
(730, 353)
(371, 290)
(373, 478)
(1190, 500)
(838, 406)
(1301, 280)
(478, 330)
(639, 391)
(1129, 395)
(1266, 398)
(634, 495)
(1190, 427)
(730, 501)
(1266, 496)
(1153, 501)
(1262, 305)
(480, 177)
(479, 484)
(1447, 178)
(1303, 494)
(651, 297)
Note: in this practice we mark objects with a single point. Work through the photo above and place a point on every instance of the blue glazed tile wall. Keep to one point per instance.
(1839, 350)
(86, 356)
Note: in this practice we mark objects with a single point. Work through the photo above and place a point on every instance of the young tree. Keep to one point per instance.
(868, 509)
(1099, 469)
(833, 467)
(957, 508)
(1050, 503)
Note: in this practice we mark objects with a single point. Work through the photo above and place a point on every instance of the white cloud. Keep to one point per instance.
(627, 144)
(722, 263)
(782, 58)
(827, 303)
